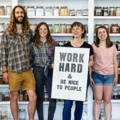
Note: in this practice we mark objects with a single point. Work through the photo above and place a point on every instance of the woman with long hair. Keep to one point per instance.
(42, 54)
(105, 71)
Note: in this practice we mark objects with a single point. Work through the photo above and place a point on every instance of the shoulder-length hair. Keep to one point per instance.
(12, 25)
(79, 25)
(97, 40)
(36, 38)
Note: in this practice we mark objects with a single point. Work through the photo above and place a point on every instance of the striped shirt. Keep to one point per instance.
(15, 51)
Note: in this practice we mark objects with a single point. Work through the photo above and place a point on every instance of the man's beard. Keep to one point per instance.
(18, 22)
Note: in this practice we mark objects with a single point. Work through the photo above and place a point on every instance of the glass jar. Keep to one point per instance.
(31, 11)
(118, 11)
(68, 28)
(48, 11)
(85, 12)
(8, 10)
(56, 11)
(39, 11)
(112, 11)
(64, 11)
(62, 28)
(72, 12)
(56, 28)
(98, 11)
(115, 28)
(2, 10)
(79, 13)
(51, 28)
(105, 11)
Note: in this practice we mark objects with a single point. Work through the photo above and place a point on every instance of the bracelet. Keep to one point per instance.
(5, 71)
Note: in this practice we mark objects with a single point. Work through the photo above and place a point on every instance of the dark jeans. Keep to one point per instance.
(41, 80)
(78, 108)
(67, 110)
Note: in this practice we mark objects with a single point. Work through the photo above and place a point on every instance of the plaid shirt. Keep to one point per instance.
(42, 56)
(15, 52)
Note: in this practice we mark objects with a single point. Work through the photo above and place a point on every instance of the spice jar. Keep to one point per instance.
(56, 28)
(64, 11)
(79, 13)
(51, 28)
(118, 11)
(112, 11)
(68, 28)
(56, 11)
(8, 10)
(85, 12)
(105, 11)
(48, 11)
(98, 11)
(39, 11)
(72, 12)
(62, 28)
(31, 11)
(115, 28)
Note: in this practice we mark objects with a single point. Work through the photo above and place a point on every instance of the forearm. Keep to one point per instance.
(116, 70)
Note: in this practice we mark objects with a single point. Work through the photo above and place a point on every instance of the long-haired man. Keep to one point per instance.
(15, 61)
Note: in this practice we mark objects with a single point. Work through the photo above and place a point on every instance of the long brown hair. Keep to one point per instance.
(97, 41)
(37, 36)
(12, 25)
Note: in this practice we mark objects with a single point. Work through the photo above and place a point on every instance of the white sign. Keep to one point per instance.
(70, 73)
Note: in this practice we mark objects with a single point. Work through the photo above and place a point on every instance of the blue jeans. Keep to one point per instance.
(41, 80)
(67, 110)
(78, 108)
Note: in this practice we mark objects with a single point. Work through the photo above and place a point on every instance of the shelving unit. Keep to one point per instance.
(90, 20)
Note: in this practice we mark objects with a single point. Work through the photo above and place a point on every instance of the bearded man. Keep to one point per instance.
(15, 62)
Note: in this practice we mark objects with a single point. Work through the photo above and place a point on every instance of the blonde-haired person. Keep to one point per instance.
(105, 71)
(15, 62)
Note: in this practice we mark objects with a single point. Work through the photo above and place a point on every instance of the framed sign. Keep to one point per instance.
(70, 73)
